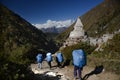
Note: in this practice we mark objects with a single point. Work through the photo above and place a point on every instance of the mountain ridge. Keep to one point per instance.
(12, 25)
(100, 20)
(20, 42)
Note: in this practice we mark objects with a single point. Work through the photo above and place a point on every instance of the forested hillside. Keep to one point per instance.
(19, 44)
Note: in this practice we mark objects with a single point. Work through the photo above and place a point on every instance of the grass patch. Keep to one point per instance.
(67, 51)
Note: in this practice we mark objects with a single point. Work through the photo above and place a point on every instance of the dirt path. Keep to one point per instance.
(66, 73)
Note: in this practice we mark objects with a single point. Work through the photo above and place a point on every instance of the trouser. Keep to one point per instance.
(58, 64)
(40, 65)
(49, 63)
(77, 70)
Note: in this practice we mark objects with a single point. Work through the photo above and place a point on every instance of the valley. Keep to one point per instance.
(97, 32)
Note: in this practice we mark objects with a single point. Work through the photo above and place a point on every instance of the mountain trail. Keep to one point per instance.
(66, 73)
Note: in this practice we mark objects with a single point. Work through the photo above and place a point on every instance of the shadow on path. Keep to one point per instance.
(97, 70)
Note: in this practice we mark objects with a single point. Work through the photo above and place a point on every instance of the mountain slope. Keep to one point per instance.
(104, 18)
(16, 32)
(109, 57)
(64, 35)
(19, 44)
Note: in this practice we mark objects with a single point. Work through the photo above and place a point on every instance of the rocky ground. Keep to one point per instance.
(66, 73)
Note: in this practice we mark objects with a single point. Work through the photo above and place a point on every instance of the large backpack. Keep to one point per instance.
(79, 58)
(49, 57)
(60, 57)
(39, 58)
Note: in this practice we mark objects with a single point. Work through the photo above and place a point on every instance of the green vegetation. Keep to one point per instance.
(109, 57)
(51, 35)
(19, 44)
(64, 35)
(102, 19)
(12, 71)
(20, 41)
(67, 51)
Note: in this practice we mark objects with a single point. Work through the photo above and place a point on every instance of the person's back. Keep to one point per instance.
(49, 58)
(79, 61)
(79, 58)
(39, 58)
(59, 59)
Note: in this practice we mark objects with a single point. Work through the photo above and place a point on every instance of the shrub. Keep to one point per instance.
(67, 51)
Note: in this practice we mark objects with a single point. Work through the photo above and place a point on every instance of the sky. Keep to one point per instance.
(50, 11)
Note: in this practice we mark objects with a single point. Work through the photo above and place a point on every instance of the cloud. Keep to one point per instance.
(57, 24)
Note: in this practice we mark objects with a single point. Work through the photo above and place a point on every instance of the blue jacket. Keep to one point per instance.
(60, 57)
(49, 57)
(79, 58)
(39, 58)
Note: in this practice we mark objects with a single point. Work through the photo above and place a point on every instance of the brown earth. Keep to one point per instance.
(66, 73)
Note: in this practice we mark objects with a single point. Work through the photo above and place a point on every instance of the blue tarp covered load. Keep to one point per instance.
(39, 58)
(79, 58)
(49, 56)
(60, 57)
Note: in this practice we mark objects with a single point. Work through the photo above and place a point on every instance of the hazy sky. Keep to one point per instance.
(42, 11)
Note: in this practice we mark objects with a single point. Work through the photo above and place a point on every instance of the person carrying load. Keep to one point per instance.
(39, 58)
(79, 61)
(49, 59)
(59, 59)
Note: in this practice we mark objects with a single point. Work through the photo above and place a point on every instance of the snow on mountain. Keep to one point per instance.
(53, 29)
(54, 26)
